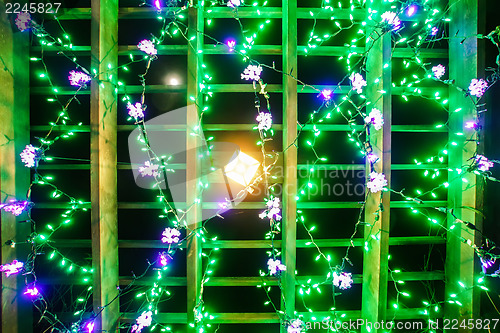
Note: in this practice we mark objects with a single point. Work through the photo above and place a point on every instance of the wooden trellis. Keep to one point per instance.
(103, 128)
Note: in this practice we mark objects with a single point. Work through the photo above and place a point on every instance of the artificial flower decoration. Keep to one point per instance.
(13, 268)
(438, 71)
(273, 210)
(357, 82)
(275, 266)
(392, 20)
(234, 3)
(377, 182)
(375, 118)
(342, 280)
(23, 20)
(483, 164)
(477, 87)
(265, 121)
(15, 207)
(143, 321)
(326, 94)
(170, 236)
(252, 72)
(147, 47)
(33, 292)
(149, 169)
(78, 79)
(135, 110)
(29, 156)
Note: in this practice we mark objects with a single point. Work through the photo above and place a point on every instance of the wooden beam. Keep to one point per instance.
(193, 167)
(103, 142)
(462, 195)
(16, 312)
(377, 210)
(290, 117)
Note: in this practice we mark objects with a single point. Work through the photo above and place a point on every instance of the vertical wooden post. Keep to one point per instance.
(375, 257)
(460, 256)
(193, 172)
(15, 177)
(103, 104)
(289, 251)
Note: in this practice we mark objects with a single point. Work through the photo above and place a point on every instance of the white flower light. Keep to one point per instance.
(375, 118)
(357, 82)
(149, 169)
(170, 236)
(377, 182)
(265, 121)
(252, 72)
(275, 266)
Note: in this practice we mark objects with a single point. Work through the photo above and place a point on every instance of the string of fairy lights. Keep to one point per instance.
(351, 107)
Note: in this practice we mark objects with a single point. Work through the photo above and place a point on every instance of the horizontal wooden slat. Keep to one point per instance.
(246, 281)
(245, 127)
(264, 317)
(125, 50)
(254, 244)
(246, 205)
(233, 88)
(320, 167)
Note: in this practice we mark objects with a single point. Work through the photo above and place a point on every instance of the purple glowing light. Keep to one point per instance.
(326, 94)
(78, 79)
(15, 207)
(157, 4)
(163, 258)
(33, 292)
(411, 10)
(234, 3)
(434, 31)
(90, 327)
(231, 44)
(483, 164)
(13, 268)
(372, 158)
(471, 124)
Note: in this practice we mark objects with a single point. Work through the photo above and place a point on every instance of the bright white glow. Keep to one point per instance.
(242, 169)
(174, 81)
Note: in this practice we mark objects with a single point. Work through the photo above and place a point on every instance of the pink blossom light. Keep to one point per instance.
(483, 164)
(15, 207)
(170, 236)
(231, 44)
(477, 87)
(29, 155)
(163, 258)
(372, 158)
(157, 4)
(470, 124)
(135, 110)
(78, 79)
(438, 71)
(32, 292)
(326, 94)
(13, 268)
(147, 47)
